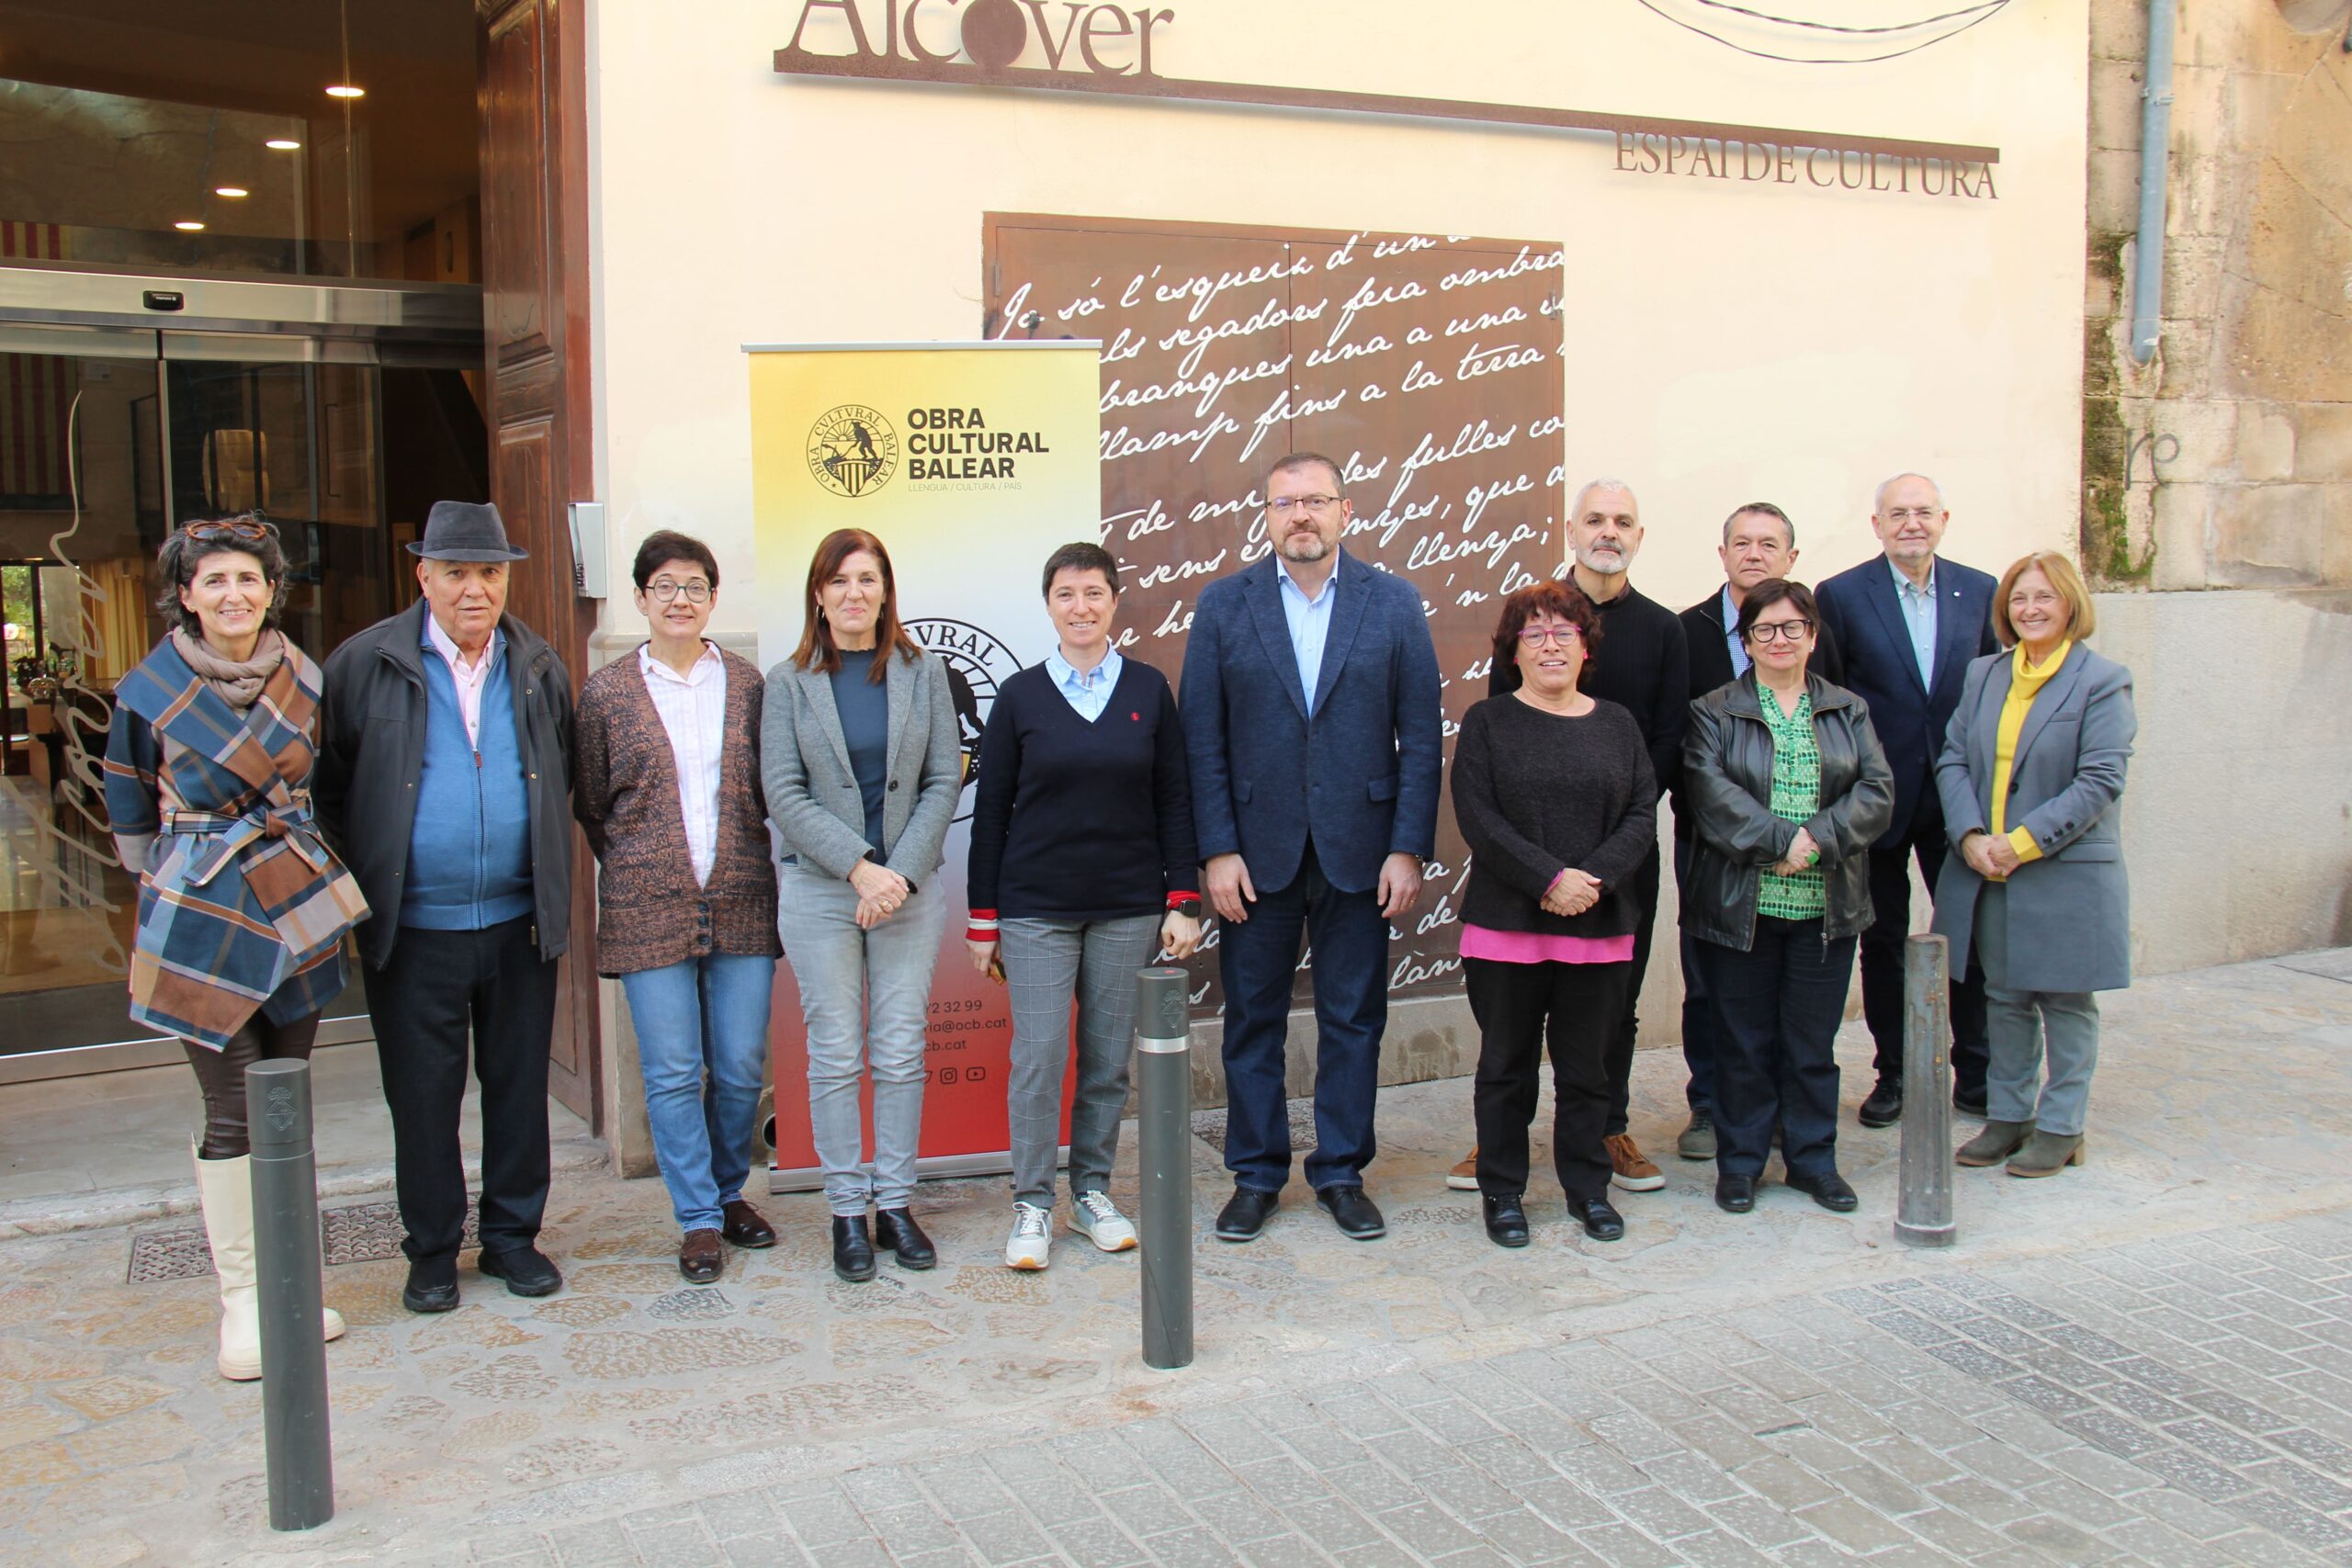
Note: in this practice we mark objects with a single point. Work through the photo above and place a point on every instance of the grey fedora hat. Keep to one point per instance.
(463, 530)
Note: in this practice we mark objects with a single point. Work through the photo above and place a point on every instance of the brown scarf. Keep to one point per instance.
(239, 684)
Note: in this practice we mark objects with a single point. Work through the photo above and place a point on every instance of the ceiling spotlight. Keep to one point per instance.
(282, 145)
(230, 191)
(344, 90)
(187, 226)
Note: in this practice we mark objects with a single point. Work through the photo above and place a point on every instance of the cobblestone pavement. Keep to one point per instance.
(2143, 1360)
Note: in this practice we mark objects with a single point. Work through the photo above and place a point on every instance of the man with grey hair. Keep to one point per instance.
(1639, 662)
(1908, 622)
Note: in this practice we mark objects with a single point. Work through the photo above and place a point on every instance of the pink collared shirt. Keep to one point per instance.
(694, 711)
(469, 680)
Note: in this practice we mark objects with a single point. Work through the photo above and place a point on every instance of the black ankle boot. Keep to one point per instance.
(853, 1248)
(895, 1230)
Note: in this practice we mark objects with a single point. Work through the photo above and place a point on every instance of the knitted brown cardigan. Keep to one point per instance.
(649, 913)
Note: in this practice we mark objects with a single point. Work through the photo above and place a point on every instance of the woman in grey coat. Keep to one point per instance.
(863, 764)
(2033, 890)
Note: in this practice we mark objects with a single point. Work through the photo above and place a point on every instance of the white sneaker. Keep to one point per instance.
(1095, 1217)
(1031, 1236)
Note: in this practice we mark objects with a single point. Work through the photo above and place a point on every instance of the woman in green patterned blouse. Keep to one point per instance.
(1789, 788)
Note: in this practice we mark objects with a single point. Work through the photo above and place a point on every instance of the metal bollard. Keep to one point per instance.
(301, 1460)
(1164, 1151)
(1923, 1209)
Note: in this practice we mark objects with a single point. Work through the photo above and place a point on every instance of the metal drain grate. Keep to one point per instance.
(358, 1232)
(157, 1256)
(1209, 1126)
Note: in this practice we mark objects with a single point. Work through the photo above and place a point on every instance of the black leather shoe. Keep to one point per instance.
(526, 1270)
(432, 1285)
(1968, 1101)
(1734, 1194)
(1506, 1220)
(744, 1226)
(1826, 1187)
(1358, 1216)
(853, 1248)
(1884, 1106)
(894, 1231)
(1245, 1213)
(1600, 1221)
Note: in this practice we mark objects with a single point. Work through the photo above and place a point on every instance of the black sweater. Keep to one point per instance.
(1643, 664)
(1079, 822)
(1535, 794)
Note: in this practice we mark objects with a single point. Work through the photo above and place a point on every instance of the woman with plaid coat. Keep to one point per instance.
(242, 906)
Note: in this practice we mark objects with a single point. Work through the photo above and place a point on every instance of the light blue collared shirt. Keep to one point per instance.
(1088, 691)
(1739, 659)
(1310, 624)
(1918, 606)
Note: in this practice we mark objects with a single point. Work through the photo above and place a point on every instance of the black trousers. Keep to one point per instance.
(1883, 960)
(221, 1075)
(1521, 1008)
(438, 988)
(1777, 1007)
(1620, 1045)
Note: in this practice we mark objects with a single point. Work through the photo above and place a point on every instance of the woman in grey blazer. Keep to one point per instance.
(2033, 891)
(863, 764)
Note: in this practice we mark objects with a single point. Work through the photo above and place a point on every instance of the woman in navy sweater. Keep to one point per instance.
(1083, 864)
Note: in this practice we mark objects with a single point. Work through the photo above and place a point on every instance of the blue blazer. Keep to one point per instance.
(1362, 775)
(1858, 607)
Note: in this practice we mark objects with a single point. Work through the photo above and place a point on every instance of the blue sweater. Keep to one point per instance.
(470, 853)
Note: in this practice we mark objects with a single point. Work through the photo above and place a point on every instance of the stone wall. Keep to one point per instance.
(2226, 461)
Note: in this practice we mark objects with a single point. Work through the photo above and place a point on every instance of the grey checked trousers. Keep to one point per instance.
(1045, 963)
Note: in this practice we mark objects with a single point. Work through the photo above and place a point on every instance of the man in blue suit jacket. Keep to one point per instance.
(1908, 622)
(1313, 718)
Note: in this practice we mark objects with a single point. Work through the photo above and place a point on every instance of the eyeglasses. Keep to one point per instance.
(1536, 636)
(1780, 631)
(252, 530)
(1915, 515)
(664, 590)
(1310, 503)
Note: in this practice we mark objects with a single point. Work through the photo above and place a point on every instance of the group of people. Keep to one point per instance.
(420, 789)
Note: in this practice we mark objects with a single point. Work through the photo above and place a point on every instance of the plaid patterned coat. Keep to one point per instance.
(242, 907)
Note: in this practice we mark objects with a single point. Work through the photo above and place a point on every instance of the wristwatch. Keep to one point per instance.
(1187, 905)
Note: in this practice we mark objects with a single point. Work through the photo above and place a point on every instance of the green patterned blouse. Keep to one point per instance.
(1797, 796)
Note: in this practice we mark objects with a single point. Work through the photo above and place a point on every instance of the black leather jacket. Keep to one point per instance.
(1727, 784)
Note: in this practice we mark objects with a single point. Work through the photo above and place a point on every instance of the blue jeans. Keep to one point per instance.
(704, 1015)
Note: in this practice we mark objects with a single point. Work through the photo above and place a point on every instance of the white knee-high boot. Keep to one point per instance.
(227, 1190)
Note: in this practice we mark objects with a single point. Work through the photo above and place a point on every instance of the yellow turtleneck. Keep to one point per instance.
(2026, 680)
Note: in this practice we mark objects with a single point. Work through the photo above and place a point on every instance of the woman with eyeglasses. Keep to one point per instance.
(1554, 794)
(1789, 786)
(665, 780)
(242, 905)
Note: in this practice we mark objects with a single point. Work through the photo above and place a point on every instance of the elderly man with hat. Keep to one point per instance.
(443, 781)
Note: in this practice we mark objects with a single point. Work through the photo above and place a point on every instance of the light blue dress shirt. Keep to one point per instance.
(1918, 605)
(1310, 624)
(1739, 659)
(1088, 691)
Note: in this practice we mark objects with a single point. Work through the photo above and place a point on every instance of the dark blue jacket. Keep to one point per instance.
(1362, 776)
(1858, 607)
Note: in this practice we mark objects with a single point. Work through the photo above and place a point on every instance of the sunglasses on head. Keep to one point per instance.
(251, 530)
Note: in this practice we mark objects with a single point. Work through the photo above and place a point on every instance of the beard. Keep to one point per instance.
(1608, 562)
(1302, 545)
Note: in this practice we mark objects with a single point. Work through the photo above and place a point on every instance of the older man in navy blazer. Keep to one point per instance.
(1909, 622)
(1313, 718)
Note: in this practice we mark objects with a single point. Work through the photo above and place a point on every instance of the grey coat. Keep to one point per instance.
(2070, 926)
(813, 790)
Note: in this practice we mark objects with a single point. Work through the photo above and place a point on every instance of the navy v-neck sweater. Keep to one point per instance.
(1079, 822)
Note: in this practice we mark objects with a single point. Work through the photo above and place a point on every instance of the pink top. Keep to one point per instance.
(1531, 947)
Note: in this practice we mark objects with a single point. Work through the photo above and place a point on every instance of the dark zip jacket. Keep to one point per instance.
(371, 755)
(1727, 784)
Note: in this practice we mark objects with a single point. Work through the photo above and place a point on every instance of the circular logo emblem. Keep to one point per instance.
(852, 450)
(977, 664)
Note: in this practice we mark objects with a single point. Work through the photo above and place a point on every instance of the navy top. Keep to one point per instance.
(1080, 820)
(863, 706)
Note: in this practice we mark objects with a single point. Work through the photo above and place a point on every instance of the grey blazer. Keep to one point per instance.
(813, 790)
(2069, 924)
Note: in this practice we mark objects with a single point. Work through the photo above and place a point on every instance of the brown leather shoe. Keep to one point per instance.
(1629, 1168)
(700, 1258)
(745, 1226)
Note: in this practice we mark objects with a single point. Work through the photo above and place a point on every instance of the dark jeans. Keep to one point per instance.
(436, 987)
(1883, 960)
(1777, 1007)
(1258, 961)
(1620, 1044)
(1520, 1008)
(1700, 1031)
(220, 1074)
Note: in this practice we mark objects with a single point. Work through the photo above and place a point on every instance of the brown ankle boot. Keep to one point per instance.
(1997, 1143)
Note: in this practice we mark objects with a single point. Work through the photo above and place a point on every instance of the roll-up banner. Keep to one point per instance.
(971, 462)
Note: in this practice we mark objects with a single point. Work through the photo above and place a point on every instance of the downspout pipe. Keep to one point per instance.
(2155, 164)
